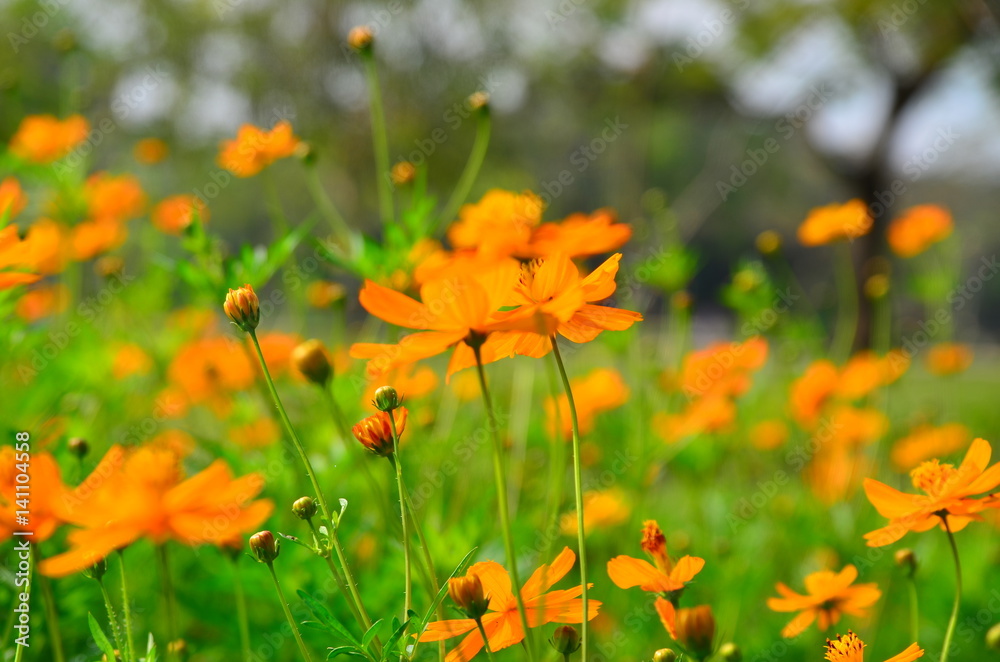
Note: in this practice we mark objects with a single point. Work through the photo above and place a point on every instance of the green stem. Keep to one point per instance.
(847, 310)
(112, 618)
(578, 489)
(486, 642)
(468, 177)
(337, 575)
(407, 570)
(914, 610)
(499, 475)
(380, 140)
(241, 611)
(953, 621)
(429, 562)
(126, 606)
(352, 585)
(51, 614)
(326, 206)
(168, 597)
(288, 616)
(557, 471)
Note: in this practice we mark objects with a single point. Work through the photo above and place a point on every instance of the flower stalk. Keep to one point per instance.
(953, 621)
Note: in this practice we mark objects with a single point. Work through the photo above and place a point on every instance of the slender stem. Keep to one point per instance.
(578, 488)
(557, 470)
(380, 140)
(499, 475)
(953, 621)
(116, 633)
(468, 177)
(847, 310)
(352, 586)
(407, 570)
(241, 611)
(429, 562)
(168, 597)
(486, 642)
(288, 616)
(51, 613)
(326, 206)
(126, 606)
(337, 575)
(914, 610)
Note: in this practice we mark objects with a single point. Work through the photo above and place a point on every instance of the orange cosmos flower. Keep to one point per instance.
(948, 498)
(115, 198)
(323, 293)
(375, 431)
(601, 390)
(150, 150)
(949, 358)
(834, 222)
(580, 235)
(830, 594)
(812, 390)
(768, 435)
(664, 577)
(499, 225)
(130, 359)
(866, 371)
(91, 238)
(453, 313)
(46, 494)
(601, 510)
(701, 416)
(919, 227)
(209, 370)
(722, 369)
(42, 302)
(502, 623)
(46, 248)
(12, 198)
(848, 648)
(926, 442)
(257, 434)
(254, 149)
(174, 214)
(45, 138)
(552, 289)
(143, 494)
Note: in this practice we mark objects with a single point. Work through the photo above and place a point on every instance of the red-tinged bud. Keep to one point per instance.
(375, 432)
(468, 595)
(265, 546)
(243, 307)
(566, 640)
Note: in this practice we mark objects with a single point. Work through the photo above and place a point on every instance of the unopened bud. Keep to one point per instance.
(566, 640)
(375, 432)
(97, 571)
(243, 307)
(305, 152)
(78, 447)
(265, 546)
(906, 559)
(310, 359)
(177, 647)
(479, 101)
(403, 172)
(680, 300)
(696, 629)
(468, 595)
(730, 652)
(877, 286)
(386, 399)
(360, 38)
(664, 655)
(993, 637)
(109, 266)
(304, 508)
(768, 242)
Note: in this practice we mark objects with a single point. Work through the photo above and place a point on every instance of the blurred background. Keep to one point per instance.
(734, 117)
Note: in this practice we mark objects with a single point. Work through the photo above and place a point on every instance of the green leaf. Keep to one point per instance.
(326, 619)
(372, 632)
(99, 637)
(390, 646)
(301, 543)
(344, 650)
(151, 649)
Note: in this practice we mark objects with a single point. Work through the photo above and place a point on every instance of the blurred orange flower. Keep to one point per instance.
(42, 302)
(45, 138)
(322, 293)
(948, 498)
(812, 390)
(277, 349)
(410, 381)
(664, 577)
(722, 369)
(580, 235)
(601, 390)
(91, 238)
(150, 150)
(209, 370)
(130, 359)
(917, 228)
(46, 494)
(12, 198)
(499, 225)
(701, 416)
(866, 371)
(848, 648)
(502, 622)
(257, 434)
(113, 198)
(829, 595)
(834, 222)
(143, 494)
(172, 215)
(254, 149)
(949, 358)
(768, 435)
(602, 509)
(926, 442)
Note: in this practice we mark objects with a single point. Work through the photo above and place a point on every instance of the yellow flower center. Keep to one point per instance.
(845, 648)
(932, 476)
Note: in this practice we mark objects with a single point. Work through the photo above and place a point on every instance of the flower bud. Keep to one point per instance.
(305, 152)
(468, 595)
(177, 647)
(360, 38)
(265, 546)
(730, 652)
(386, 399)
(402, 173)
(375, 432)
(97, 571)
(696, 629)
(304, 508)
(310, 359)
(906, 559)
(680, 300)
(78, 447)
(664, 655)
(768, 242)
(479, 101)
(877, 286)
(109, 266)
(566, 640)
(243, 307)
(993, 637)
